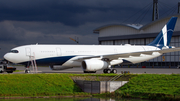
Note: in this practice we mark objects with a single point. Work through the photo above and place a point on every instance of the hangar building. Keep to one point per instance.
(120, 34)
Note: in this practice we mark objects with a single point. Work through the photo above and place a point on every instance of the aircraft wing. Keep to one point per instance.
(125, 55)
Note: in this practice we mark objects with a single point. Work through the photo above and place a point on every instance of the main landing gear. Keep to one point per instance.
(110, 71)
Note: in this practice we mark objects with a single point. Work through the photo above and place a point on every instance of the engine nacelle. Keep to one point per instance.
(94, 65)
(58, 67)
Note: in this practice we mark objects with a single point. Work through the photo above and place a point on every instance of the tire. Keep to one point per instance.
(108, 71)
(10, 72)
(114, 71)
(86, 72)
(105, 70)
(27, 71)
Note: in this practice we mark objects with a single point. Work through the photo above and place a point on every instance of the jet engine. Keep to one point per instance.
(94, 65)
(58, 67)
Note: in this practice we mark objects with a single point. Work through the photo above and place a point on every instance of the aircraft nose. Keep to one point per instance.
(7, 57)
(11, 57)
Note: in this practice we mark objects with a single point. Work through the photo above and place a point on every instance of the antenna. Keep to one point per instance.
(75, 40)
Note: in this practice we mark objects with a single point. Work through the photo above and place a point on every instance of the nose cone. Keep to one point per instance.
(12, 57)
(7, 56)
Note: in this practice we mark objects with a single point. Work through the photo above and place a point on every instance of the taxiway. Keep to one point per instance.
(119, 70)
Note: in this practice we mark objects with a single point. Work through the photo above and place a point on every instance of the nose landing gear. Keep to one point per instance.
(27, 70)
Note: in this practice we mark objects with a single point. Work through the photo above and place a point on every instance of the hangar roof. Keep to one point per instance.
(156, 21)
(110, 25)
(131, 27)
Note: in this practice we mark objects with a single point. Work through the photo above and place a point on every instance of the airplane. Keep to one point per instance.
(93, 57)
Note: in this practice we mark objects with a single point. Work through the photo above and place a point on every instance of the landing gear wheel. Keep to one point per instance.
(85, 71)
(27, 71)
(105, 70)
(114, 71)
(108, 71)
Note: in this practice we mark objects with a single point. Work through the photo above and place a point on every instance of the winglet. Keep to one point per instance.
(164, 37)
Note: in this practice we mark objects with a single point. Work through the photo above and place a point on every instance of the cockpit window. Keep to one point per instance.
(14, 51)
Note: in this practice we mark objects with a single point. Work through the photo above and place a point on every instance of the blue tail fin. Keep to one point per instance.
(164, 37)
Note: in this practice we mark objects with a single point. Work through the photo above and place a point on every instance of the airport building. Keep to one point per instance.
(120, 34)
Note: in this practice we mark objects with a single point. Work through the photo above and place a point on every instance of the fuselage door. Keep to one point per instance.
(58, 51)
(28, 51)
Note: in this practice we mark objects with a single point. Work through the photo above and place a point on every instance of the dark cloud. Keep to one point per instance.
(72, 12)
(16, 33)
(54, 21)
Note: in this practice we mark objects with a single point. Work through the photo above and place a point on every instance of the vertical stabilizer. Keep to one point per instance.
(164, 37)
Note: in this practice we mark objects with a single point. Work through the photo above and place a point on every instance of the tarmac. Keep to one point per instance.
(119, 70)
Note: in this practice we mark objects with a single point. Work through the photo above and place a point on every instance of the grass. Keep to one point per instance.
(149, 86)
(37, 85)
(126, 77)
(41, 84)
(93, 77)
(152, 86)
(18, 70)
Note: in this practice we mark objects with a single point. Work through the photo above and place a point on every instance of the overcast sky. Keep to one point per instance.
(25, 22)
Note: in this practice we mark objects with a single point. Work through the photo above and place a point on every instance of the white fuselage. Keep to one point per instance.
(65, 54)
(93, 57)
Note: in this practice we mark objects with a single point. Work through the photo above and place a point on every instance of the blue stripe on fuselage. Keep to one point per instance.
(51, 61)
